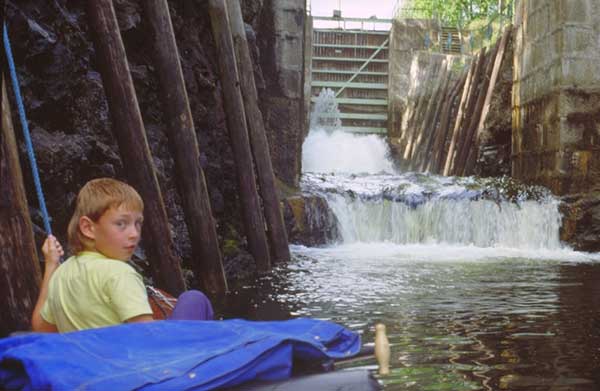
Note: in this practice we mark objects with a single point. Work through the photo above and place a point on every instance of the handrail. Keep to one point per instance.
(362, 67)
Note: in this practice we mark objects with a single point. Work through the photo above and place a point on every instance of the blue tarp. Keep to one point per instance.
(169, 355)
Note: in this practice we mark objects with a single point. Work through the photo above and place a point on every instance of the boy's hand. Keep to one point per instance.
(52, 251)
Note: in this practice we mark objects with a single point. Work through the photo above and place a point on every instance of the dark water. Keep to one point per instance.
(485, 320)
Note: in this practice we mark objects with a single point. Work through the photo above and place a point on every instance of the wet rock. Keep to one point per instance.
(309, 220)
(581, 221)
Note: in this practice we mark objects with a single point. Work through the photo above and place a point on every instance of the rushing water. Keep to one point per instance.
(469, 275)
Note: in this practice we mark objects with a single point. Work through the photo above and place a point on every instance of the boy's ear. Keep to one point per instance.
(86, 226)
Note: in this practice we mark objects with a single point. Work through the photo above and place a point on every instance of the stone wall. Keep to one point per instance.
(281, 32)
(556, 94)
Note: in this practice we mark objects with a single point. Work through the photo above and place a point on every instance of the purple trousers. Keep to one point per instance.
(192, 305)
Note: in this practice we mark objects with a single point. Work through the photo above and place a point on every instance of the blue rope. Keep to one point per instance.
(28, 144)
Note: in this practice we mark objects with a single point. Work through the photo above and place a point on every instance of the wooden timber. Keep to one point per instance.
(435, 164)
(207, 263)
(434, 125)
(280, 249)
(459, 117)
(417, 120)
(21, 276)
(469, 109)
(236, 122)
(133, 145)
(476, 112)
(427, 127)
(471, 160)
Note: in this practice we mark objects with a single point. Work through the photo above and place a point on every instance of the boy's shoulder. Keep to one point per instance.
(104, 264)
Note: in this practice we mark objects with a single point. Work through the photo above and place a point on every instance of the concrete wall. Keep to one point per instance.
(407, 37)
(556, 94)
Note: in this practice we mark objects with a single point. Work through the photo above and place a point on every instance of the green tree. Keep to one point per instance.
(458, 12)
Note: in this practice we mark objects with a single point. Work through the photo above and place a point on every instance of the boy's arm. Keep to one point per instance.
(52, 251)
(140, 319)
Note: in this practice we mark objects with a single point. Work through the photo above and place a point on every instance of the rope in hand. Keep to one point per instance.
(26, 134)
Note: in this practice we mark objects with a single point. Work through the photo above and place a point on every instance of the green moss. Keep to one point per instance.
(284, 190)
(230, 247)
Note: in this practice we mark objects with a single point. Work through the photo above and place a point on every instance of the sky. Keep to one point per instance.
(383, 9)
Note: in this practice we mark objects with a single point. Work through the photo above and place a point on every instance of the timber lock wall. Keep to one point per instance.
(440, 102)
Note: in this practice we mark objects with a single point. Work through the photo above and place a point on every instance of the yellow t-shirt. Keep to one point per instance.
(90, 290)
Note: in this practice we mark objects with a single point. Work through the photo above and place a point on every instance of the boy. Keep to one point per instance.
(97, 287)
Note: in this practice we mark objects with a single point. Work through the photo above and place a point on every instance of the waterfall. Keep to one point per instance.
(327, 149)
(482, 223)
(375, 204)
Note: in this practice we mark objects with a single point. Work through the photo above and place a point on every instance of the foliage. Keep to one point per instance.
(458, 12)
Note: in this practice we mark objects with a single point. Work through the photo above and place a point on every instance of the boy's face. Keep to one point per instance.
(117, 232)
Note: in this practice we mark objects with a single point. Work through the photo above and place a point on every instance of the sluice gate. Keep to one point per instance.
(354, 64)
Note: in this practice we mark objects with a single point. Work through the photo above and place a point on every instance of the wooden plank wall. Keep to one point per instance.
(445, 118)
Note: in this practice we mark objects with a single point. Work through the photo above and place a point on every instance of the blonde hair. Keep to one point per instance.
(93, 200)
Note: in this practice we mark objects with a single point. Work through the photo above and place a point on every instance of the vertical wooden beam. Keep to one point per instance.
(129, 131)
(236, 122)
(207, 262)
(436, 162)
(435, 125)
(19, 264)
(459, 117)
(470, 111)
(476, 112)
(280, 249)
(472, 158)
(427, 126)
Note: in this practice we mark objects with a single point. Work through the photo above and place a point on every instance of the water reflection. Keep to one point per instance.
(508, 322)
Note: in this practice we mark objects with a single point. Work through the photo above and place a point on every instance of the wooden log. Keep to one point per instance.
(452, 150)
(415, 120)
(467, 141)
(280, 249)
(476, 113)
(471, 160)
(442, 102)
(406, 120)
(236, 122)
(19, 262)
(425, 116)
(430, 125)
(133, 145)
(470, 110)
(207, 263)
(436, 161)
(418, 117)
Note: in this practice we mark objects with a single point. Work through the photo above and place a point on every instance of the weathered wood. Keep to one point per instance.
(20, 277)
(236, 122)
(280, 249)
(407, 117)
(472, 158)
(429, 125)
(436, 161)
(442, 101)
(462, 109)
(207, 263)
(474, 93)
(415, 119)
(476, 113)
(133, 145)
(424, 116)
